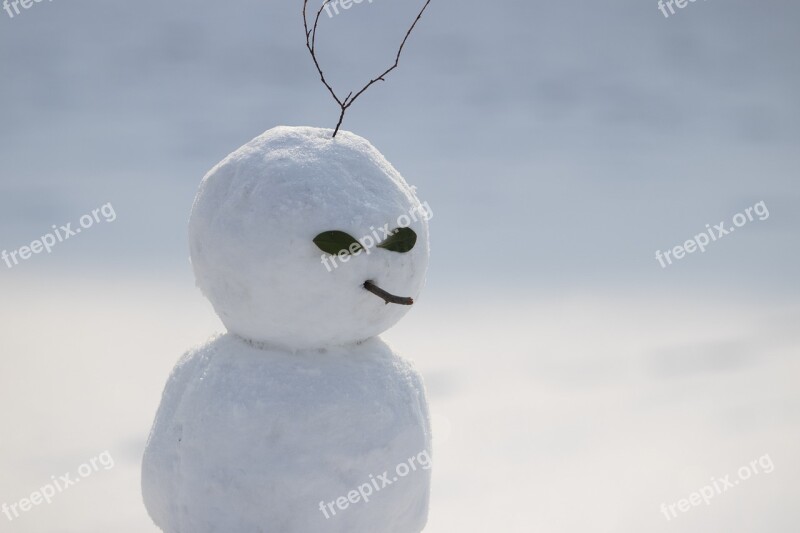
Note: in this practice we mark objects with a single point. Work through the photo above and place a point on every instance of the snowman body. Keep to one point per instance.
(299, 419)
(256, 440)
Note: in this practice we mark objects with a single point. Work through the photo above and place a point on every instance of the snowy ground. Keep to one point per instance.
(560, 413)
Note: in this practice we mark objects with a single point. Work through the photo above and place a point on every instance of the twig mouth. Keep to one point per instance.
(388, 297)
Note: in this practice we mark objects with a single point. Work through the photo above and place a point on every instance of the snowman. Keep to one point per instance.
(299, 419)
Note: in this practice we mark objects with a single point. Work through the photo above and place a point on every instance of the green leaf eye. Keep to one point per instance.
(402, 240)
(334, 242)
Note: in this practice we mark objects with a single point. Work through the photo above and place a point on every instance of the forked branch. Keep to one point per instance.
(311, 44)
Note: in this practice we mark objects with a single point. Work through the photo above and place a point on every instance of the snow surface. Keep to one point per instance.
(252, 229)
(556, 412)
(251, 440)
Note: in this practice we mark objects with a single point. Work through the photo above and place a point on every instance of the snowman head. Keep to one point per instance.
(300, 240)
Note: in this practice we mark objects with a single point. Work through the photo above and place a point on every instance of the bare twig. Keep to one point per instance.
(388, 297)
(311, 44)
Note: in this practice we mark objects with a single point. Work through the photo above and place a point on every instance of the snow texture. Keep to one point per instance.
(299, 404)
(252, 229)
(251, 440)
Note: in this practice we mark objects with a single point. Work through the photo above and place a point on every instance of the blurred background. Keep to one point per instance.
(576, 385)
